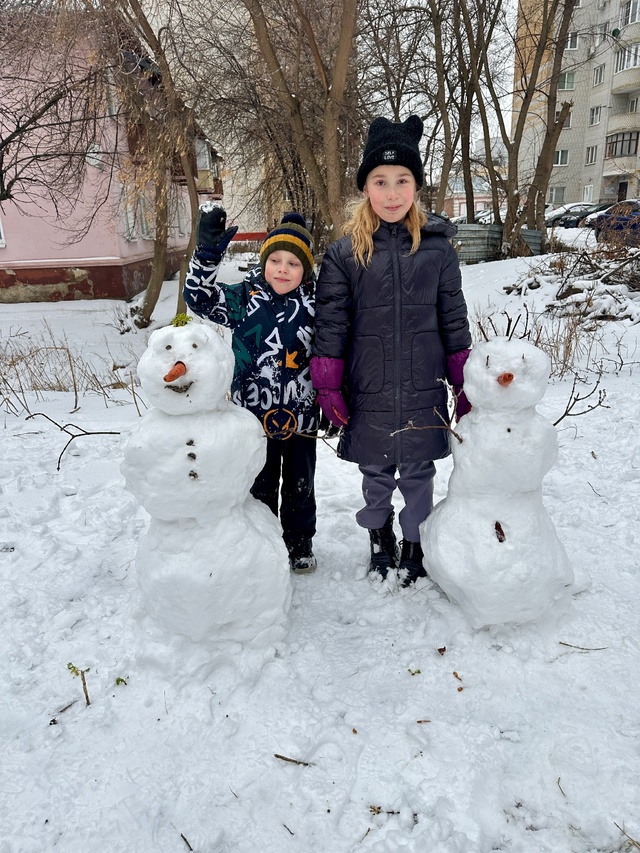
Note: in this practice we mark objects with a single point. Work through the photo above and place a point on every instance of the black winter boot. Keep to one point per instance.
(384, 548)
(301, 558)
(411, 567)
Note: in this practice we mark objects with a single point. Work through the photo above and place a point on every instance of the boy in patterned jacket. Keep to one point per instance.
(270, 315)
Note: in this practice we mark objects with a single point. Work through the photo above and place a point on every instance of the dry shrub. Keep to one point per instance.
(31, 365)
(564, 339)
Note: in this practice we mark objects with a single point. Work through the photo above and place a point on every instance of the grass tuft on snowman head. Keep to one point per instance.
(181, 320)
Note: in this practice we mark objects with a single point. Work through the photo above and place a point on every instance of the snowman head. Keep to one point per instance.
(186, 369)
(505, 375)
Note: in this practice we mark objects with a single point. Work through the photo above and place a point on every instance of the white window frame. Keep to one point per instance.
(181, 215)
(598, 74)
(567, 121)
(628, 57)
(561, 157)
(587, 193)
(203, 155)
(595, 116)
(95, 156)
(629, 13)
(111, 96)
(556, 195)
(591, 155)
(564, 79)
(129, 212)
(572, 41)
(632, 105)
(2, 240)
(144, 226)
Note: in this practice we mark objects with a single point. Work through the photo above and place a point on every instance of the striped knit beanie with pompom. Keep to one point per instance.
(290, 236)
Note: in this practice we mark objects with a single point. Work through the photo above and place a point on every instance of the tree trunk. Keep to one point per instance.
(443, 107)
(156, 279)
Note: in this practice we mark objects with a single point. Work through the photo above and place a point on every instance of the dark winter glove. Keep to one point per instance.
(326, 376)
(212, 235)
(455, 376)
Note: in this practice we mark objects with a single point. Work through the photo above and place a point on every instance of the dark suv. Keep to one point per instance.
(620, 223)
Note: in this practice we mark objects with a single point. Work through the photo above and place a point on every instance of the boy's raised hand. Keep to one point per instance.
(212, 235)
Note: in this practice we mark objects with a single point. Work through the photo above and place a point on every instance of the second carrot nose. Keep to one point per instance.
(178, 370)
(505, 378)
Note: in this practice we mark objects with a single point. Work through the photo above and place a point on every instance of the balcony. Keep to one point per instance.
(626, 81)
(207, 183)
(631, 33)
(622, 122)
(620, 166)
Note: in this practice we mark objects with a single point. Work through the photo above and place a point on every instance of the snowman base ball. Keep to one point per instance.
(228, 582)
(501, 563)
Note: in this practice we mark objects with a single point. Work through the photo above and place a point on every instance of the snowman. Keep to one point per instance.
(490, 544)
(212, 564)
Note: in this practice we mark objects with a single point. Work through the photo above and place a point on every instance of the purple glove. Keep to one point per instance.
(455, 376)
(463, 406)
(326, 376)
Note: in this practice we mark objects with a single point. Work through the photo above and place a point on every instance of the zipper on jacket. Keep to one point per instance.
(282, 327)
(397, 341)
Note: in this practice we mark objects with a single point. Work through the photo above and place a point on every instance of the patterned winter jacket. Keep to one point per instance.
(271, 340)
(394, 322)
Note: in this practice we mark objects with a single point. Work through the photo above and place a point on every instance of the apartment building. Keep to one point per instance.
(597, 156)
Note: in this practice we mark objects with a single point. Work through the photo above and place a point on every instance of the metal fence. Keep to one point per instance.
(483, 242)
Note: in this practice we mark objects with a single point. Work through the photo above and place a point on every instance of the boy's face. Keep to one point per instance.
(391, 191)
(283, 271)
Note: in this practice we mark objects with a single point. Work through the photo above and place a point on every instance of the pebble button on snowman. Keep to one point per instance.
(490, 544)
(212, 564)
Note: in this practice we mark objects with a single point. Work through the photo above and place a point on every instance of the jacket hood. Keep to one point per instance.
(437, 224)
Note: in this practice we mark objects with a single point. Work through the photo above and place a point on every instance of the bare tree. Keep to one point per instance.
(51, 117)
(554, 121)
(538, 45)
(319, 149)
(160, 126)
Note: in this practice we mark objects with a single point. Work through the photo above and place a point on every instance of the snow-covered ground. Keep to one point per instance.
(381, 723)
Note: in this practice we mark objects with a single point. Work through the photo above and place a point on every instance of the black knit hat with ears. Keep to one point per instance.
(291, 236)
(392, 143)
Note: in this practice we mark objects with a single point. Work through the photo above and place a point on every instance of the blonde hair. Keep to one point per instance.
(363, 222)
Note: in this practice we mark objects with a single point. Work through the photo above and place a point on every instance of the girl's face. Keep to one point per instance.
(283, 271)
(391, 190)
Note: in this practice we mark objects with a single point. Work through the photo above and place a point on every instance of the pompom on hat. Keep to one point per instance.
(391, 143)
(290, 236)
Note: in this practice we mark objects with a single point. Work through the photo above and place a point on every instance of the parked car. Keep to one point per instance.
(575, 218)
(620, 223)
(481, 217)
(569, 214)
(589, 221)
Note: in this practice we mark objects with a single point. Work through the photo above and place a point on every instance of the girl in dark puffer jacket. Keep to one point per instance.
(390, 329)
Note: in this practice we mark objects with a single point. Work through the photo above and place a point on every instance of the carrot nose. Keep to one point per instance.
(176, 372)
(505, 378)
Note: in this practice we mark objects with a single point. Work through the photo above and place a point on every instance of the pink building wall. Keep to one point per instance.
(114, 258)
(108, 262)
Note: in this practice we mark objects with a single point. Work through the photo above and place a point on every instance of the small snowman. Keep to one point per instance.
(212, 564)
(490, 544)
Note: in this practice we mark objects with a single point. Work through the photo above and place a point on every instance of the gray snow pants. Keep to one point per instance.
(415, 481)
